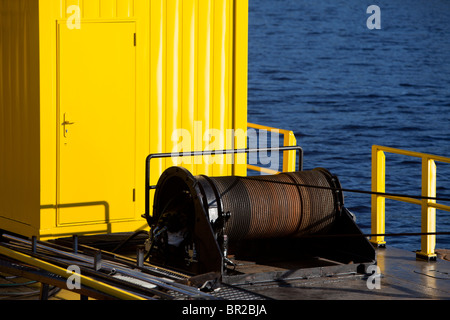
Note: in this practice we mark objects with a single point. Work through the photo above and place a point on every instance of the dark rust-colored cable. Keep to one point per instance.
(277, 206)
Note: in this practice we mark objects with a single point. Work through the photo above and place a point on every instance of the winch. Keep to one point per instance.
(203, 224)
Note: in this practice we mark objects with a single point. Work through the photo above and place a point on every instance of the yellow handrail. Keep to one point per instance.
(429, 206)
(289, 159)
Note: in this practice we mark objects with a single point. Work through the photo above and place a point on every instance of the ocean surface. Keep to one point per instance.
(317, 69)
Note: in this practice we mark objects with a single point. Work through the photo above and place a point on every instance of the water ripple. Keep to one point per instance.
(316, 69)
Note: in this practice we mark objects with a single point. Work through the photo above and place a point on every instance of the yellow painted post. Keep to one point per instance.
(157, 94)
(205, 74)
(289, 156)
(289, 140)
(240, 86)
(428, 242)
(378, 202)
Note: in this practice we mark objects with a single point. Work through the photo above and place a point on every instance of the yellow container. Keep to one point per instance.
(90, 87)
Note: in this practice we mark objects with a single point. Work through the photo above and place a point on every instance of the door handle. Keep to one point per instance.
(66, 123)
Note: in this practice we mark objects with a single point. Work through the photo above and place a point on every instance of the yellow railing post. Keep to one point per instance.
(289, 140)
(429, 206)
(428, 242)
(289, 156)
(378, 202)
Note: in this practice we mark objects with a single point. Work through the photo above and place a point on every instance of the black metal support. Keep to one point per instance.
(97, 260)
(43, 295)
(34, 244)
(164, 284)
(75, 243)
(140, 254)
(149, 187)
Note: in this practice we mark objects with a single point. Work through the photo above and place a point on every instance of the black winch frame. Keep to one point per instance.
(332, 253)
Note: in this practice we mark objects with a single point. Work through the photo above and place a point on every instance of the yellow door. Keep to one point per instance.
(97, 122)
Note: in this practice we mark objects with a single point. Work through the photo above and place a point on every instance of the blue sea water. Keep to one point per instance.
(316, 68)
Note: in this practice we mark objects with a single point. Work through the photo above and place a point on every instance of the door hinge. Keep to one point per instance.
(135, 39)
(134, 195)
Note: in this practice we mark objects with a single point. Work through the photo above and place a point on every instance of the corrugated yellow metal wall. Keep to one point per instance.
(191, 77)
(198, 81)
(103, 9)
(19, 112)
(193, 72)
(59, 12)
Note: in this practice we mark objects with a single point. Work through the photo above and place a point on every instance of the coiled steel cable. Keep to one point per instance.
(262, 208)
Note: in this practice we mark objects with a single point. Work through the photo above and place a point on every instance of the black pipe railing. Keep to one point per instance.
(149, 187)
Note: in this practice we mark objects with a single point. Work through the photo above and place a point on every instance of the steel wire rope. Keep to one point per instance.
(363, 192)
(356, 191)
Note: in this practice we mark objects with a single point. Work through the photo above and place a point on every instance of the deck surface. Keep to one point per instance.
(402, 278)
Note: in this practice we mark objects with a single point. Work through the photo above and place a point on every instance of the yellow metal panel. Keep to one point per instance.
(19, 112)
(240, 83)
(49, 11)
(204, 99)
(108, 9)
(94, 9)
(158, 76)
(97, 123)
(66, 4)
(91, 9)
(141, 11)
(125, 8)
(174, 71)
(221, 85)
(188, 76)
(192, 65)
(187, 57)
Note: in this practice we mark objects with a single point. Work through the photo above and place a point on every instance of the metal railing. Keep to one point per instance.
(289, 157)
(149, 187)
(428, 204)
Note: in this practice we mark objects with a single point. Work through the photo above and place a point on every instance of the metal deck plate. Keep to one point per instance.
(401, 277)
